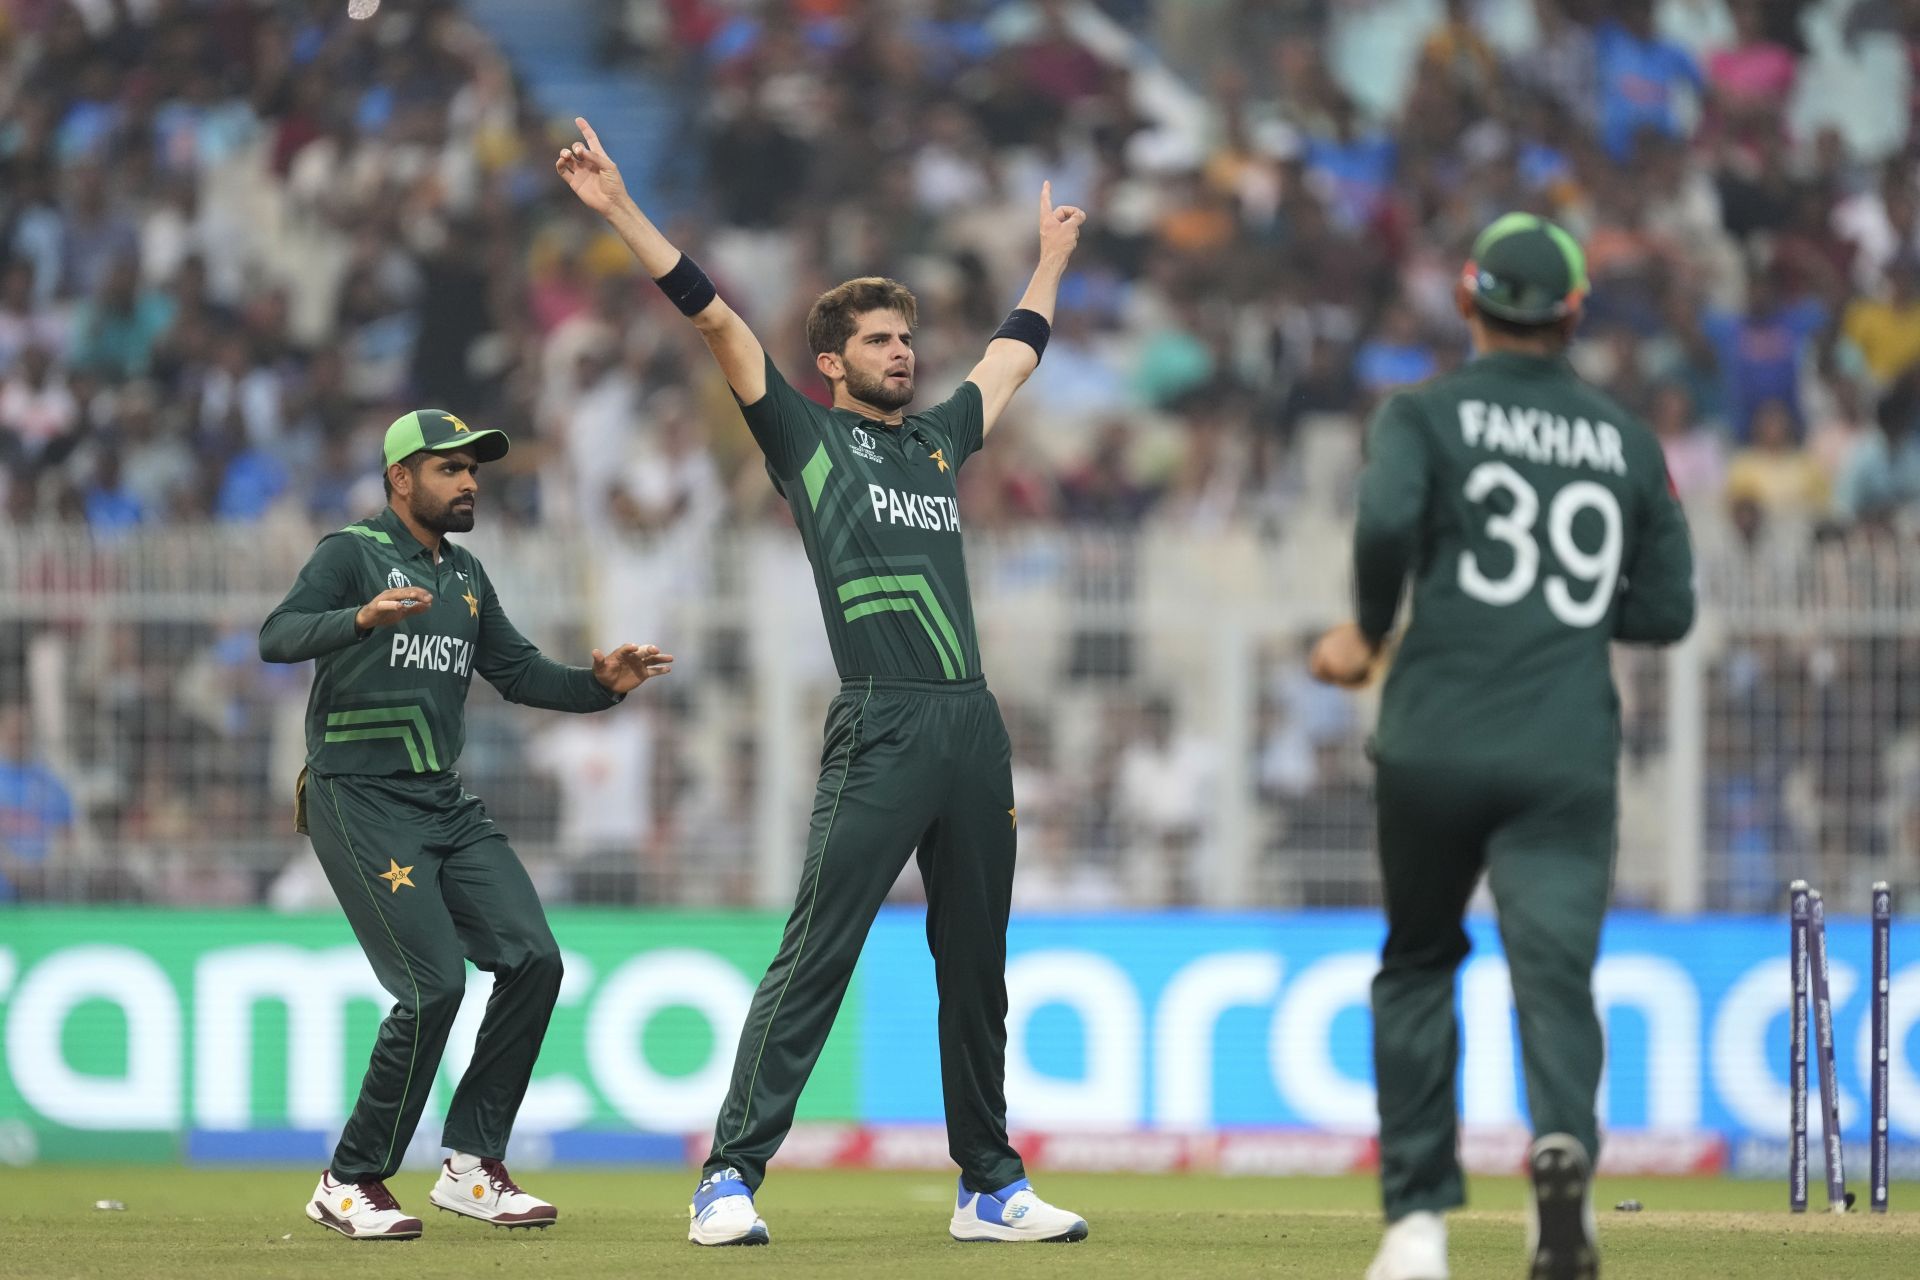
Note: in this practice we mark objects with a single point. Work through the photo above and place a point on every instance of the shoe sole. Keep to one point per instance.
(756, 1235)
(1564, 1250)
(531, 1224)
(460, 1211)
(987, 1235)
(328, 1222)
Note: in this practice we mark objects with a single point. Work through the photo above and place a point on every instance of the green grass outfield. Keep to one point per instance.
(246, 1223)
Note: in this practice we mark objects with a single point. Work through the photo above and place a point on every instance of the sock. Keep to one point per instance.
(461, 1162)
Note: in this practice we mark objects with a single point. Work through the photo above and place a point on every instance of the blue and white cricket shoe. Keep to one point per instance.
(722, 1212)
(1013, 1213)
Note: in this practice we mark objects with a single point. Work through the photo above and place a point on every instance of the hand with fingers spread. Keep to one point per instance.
(390, 608)
(590, 171)
(630, 666)
(1059, 227)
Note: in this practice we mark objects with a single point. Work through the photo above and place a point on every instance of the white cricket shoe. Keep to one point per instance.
(489, 1193)
(1562, 1238)
(363, 1210)
(1414, 1248)
(1013, 1213)
(722, 1212)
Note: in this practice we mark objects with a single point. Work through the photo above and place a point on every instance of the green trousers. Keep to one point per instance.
(1547, 846)
(428, 883)
(908, 764)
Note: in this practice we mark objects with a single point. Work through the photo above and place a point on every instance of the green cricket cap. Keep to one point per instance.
(1527, 270)
(438, 430)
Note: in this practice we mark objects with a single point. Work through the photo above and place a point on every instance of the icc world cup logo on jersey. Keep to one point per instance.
(397, 579)
(863, 445)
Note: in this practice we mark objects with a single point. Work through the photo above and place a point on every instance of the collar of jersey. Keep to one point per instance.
(858, 419)
(409, 547)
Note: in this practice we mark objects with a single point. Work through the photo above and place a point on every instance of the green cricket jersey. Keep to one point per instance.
(1534, 516)
(880, 519)
(393, 700)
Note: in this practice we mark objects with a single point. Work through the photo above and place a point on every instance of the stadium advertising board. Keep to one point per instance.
(1148, 1040)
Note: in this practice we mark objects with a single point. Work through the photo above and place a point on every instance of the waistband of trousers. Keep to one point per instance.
(912, 685)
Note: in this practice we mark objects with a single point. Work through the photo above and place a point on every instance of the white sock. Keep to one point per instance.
(461, 1162)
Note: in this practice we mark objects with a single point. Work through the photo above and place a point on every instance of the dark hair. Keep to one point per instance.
(835, 316)
(1554, 330)
(412, 462)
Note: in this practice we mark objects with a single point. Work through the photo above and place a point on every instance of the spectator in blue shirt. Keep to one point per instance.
(1355, 164)
(111, 507)
(1396, 356)
(1761, 352)
(1641, 78)
(36, 809)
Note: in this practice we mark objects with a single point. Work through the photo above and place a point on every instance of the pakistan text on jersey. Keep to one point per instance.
(432, 653)
(1540, 436)
(942, 515)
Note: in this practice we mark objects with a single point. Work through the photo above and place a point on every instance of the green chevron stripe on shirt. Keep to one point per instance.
(906, 604)
(907, 584)
(365, 532)
(400, 731)
(387, 715)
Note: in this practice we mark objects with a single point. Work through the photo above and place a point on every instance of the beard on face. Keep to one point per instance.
(881, 392)
(452, 516)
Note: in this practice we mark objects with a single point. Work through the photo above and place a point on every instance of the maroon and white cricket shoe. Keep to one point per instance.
(363, 1210)
(489, 1193)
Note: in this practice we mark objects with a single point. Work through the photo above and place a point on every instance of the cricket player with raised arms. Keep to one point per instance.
(398, 619)
(1533, 516)
(916, 755)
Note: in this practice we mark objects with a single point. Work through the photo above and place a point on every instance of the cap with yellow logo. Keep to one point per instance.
(438, 430)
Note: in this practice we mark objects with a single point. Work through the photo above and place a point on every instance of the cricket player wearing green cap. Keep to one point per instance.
(1533, 515)
(398, 619)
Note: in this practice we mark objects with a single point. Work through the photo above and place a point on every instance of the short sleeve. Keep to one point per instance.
(783, 425)
(959, 420)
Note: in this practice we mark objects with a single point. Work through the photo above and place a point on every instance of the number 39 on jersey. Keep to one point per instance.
(1582, 592)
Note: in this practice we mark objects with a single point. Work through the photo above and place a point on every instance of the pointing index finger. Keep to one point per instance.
(1046, 199)
(593, 139)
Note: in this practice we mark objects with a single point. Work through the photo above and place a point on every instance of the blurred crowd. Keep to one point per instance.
(238, 237)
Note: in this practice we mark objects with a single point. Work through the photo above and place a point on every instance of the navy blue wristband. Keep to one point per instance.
(1029, 327)
(687, 287)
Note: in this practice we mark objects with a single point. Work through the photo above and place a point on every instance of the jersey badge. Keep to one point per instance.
(473, 604)
(397, 579)
(863, 445)
(939, 457)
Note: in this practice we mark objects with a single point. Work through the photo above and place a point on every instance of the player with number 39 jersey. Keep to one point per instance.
(1533, 516)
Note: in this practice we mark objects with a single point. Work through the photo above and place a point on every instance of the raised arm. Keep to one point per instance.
(595, 178)
(1014, 353)
(320, 613)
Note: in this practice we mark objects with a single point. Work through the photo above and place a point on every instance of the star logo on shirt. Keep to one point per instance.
(396, 875)
(473, 604)
(1013, 816)
(940, 457)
